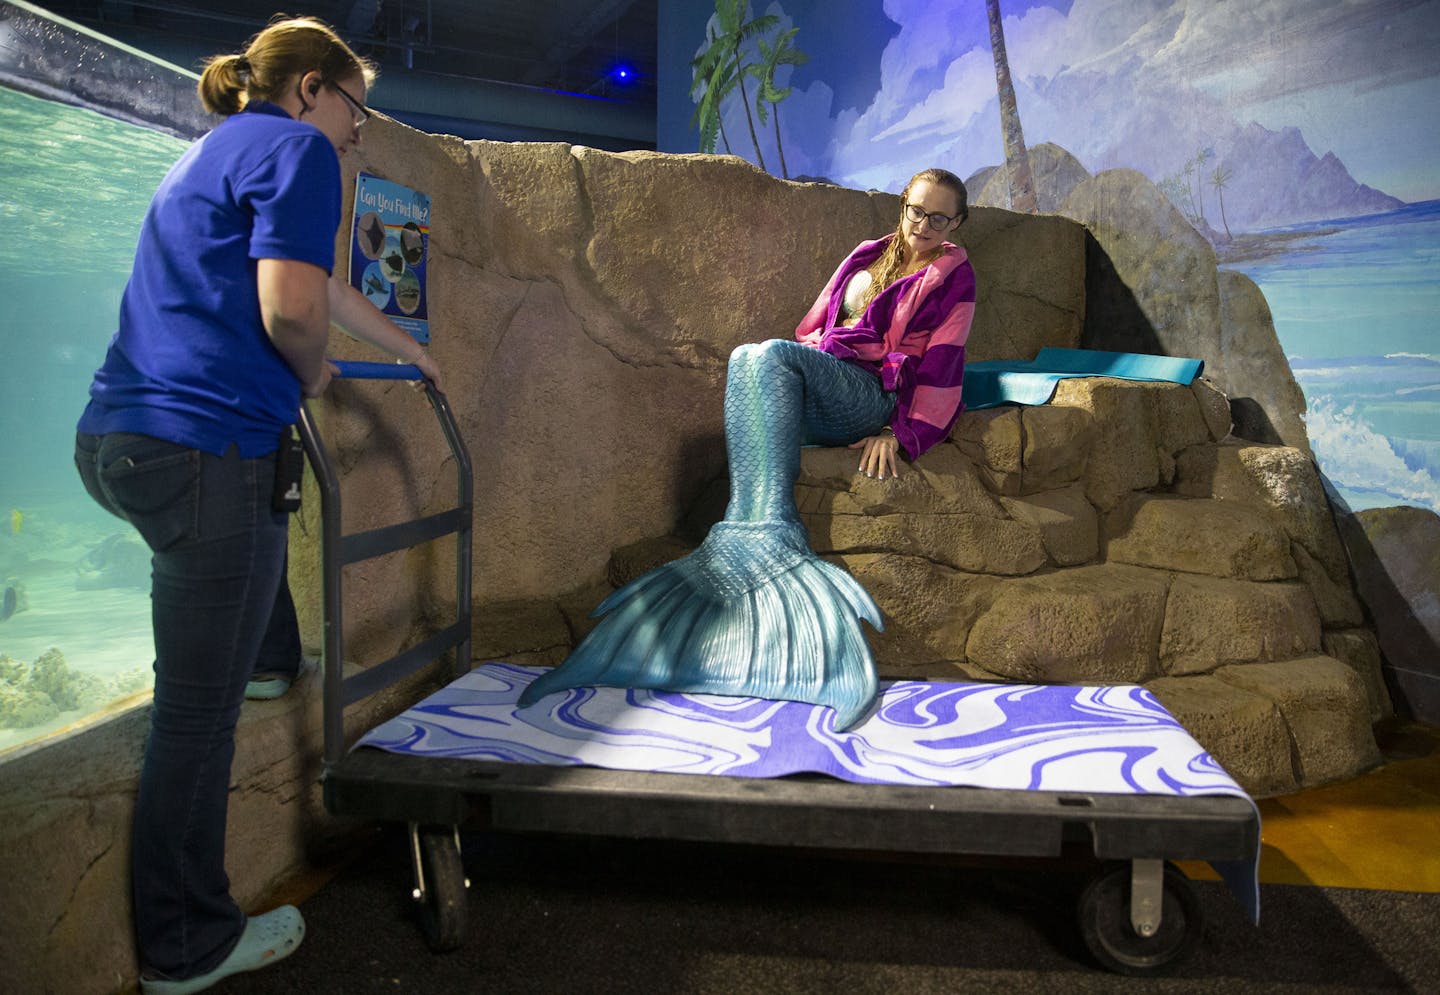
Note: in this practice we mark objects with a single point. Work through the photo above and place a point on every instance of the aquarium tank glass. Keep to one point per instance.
(89, 128)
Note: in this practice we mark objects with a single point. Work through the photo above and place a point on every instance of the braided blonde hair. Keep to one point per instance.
(289, 47)
(890, 265)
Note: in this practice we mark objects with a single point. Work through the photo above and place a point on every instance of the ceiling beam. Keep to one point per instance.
(601, 14)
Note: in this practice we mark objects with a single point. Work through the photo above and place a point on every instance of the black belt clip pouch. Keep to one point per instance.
(289, 468)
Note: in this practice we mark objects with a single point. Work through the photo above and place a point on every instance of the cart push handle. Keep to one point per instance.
(337, 550)
(351, 370)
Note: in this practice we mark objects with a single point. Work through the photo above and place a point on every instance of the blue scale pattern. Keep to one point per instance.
(752, 612)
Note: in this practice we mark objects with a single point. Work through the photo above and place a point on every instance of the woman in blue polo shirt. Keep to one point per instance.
(223, 327)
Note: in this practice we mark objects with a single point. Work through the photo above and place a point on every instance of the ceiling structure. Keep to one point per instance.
(602, 49)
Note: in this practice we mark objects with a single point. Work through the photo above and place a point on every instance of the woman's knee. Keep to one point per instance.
(742, 353)
(760, 353)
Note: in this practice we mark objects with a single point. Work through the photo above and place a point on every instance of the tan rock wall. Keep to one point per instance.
(1325, 708)
(583, 307)
(1165, 296)
(1209, 620)
(1068, 523)
(1199, 535)
(1360, 650)
(1154, 288)
(1244, 731)
(1072, 625)
(1396, 552)
(1269, 405)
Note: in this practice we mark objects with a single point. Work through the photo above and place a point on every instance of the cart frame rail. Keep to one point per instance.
(337, 550)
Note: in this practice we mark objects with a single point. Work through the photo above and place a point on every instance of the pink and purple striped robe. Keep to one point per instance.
(912, 336)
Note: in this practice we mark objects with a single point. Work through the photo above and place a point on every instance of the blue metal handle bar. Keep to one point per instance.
(377, 371)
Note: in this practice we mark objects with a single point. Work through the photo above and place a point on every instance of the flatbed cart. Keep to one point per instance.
(1138, 915)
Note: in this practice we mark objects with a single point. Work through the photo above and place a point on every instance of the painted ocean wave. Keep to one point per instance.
(1379, 470)
(1022, 737)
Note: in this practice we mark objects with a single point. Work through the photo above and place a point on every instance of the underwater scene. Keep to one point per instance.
(75, 638)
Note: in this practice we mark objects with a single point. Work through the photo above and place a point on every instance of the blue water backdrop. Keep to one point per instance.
(74, 186)
(1356, 304)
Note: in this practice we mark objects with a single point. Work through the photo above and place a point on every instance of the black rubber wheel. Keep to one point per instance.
(1104, 912)
(443, 912)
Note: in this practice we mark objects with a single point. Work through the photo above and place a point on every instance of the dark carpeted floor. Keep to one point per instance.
(580, 916)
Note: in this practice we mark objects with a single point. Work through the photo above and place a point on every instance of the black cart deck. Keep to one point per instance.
(797, 811)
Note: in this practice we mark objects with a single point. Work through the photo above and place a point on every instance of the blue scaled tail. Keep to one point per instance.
(753, 611)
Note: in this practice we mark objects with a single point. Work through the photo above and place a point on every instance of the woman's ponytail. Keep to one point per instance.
(222, 83)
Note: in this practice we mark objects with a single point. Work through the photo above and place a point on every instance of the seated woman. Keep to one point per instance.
(876, 366)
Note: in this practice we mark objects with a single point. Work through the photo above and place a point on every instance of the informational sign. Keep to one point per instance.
(389, 246)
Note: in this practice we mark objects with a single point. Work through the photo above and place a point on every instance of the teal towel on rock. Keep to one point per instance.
(1016, 381)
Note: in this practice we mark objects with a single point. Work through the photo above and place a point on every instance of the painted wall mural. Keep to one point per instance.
(1301, 137)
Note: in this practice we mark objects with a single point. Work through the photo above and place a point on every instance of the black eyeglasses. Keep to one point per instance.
(362, 113)
(938, 221)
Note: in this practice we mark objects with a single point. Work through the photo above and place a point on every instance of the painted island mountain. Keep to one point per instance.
(1256, 179)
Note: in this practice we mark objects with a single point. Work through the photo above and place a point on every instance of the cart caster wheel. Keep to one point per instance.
(1104, 911)
(441, 889)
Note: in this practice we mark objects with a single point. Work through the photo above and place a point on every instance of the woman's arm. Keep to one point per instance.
(295, 310)
(925, 413)
(928, 386)
(360, 319)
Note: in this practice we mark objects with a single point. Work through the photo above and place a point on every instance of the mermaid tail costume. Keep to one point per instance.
(753, 611)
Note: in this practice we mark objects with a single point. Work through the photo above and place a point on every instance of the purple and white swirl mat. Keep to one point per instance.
(1116, 739)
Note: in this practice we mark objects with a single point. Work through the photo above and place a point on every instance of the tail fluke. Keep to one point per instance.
(752, 612)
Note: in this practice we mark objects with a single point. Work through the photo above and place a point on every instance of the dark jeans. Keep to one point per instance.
(221, 609)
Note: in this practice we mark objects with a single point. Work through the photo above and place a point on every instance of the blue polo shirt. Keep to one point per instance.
(191, 362)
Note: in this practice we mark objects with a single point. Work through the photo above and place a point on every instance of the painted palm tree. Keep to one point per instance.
(1201, 158)
(781, 53)
(736, 28)
(1017, 158)
(1188, 173)
(1218, 179)
(714, 77)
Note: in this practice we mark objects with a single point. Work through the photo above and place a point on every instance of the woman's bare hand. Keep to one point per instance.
(322, 379)
(878, 458)
(426, 364)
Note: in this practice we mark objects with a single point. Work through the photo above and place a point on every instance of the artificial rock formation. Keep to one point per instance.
(1396, 553)
(1153, 286)
(1054, 172)
(1178, 571)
